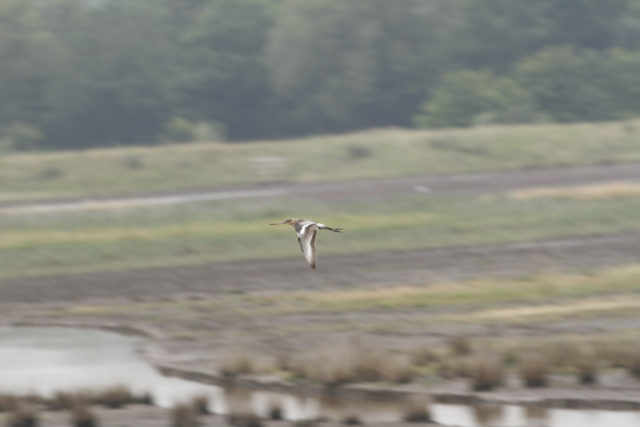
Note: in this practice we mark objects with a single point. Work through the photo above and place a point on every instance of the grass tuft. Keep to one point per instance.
(201, 404)
(533, 368)
(586, 366)
(23, 416)
(354, 362)
(633, 362)
(560, 353)
(244, 420)
(8, 402)
(184, 415)
(237, 362)
(352, 420)
(417, 410)
(275, 411)
(485, 371)
(423, 355)
(115, 397)
(460, 345)
(359, 151)
(82, 416)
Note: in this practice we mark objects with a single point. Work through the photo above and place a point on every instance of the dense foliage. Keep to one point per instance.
(81, 73)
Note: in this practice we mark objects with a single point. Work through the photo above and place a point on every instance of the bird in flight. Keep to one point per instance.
(306, 231)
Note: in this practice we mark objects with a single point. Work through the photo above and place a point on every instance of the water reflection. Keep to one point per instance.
(44, 360)
(511, 415)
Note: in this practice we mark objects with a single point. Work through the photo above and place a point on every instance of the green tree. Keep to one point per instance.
(226, 79)
(495, 33)
(28, 56)
(116, 86)
(622, 81)
(339, 65)
(466, 98)
(568, 84)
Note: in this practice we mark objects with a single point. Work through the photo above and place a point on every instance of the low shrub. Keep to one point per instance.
(244, 420)
(23, 416)
(460, 345)
(560, 353)
(633, 361)
(82, 416)
(423, 355)
(184, 415)
(454, 367)
(8, 402)
(417, 410)
(200, 404)
(359, 151)
(586, 366)
(275, 411)
(485, 371)
(236, 362)
(352, 420)
(534, 369)
(353, 362)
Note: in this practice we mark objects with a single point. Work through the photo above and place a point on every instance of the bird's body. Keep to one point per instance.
(306, 231)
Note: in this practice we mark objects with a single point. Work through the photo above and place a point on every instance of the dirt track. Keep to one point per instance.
(459, 184)
(370, 269)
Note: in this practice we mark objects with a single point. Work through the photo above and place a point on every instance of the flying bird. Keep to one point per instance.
(306, 231)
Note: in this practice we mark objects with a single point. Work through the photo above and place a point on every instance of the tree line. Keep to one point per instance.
(85, 73)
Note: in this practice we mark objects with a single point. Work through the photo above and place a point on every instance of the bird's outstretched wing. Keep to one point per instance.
(308, 246)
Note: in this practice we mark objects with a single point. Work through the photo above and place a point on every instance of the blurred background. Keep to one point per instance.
(89, 73)
(483, 158)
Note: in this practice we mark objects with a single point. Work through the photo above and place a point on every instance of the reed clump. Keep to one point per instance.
(485, 371)
(23, 415)
(244, 419)
(354, 362)
(460, 345)
(417, 410)
(533, 369)
(423, 355)
(454, 367)
(201, 404)
(352, 420)
(586, 366)
(275, 411)
(236, 362)
(184, 415)
(119, 396)
(8, 402)
(633, 361)
(559, 353)
(82, 415)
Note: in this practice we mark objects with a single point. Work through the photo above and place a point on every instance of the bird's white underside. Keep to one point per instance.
(307, 236)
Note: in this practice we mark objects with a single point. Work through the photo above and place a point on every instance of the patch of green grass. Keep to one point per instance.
(564, 293)
(378, 153)
(35, 245)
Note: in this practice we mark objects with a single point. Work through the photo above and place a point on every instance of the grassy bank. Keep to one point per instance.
(527, 299)
(377, 153)
(34, 245)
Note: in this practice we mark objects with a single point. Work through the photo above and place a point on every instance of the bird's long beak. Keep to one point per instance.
(278, 223)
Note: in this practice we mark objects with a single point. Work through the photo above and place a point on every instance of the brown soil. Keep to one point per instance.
(345, 271)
